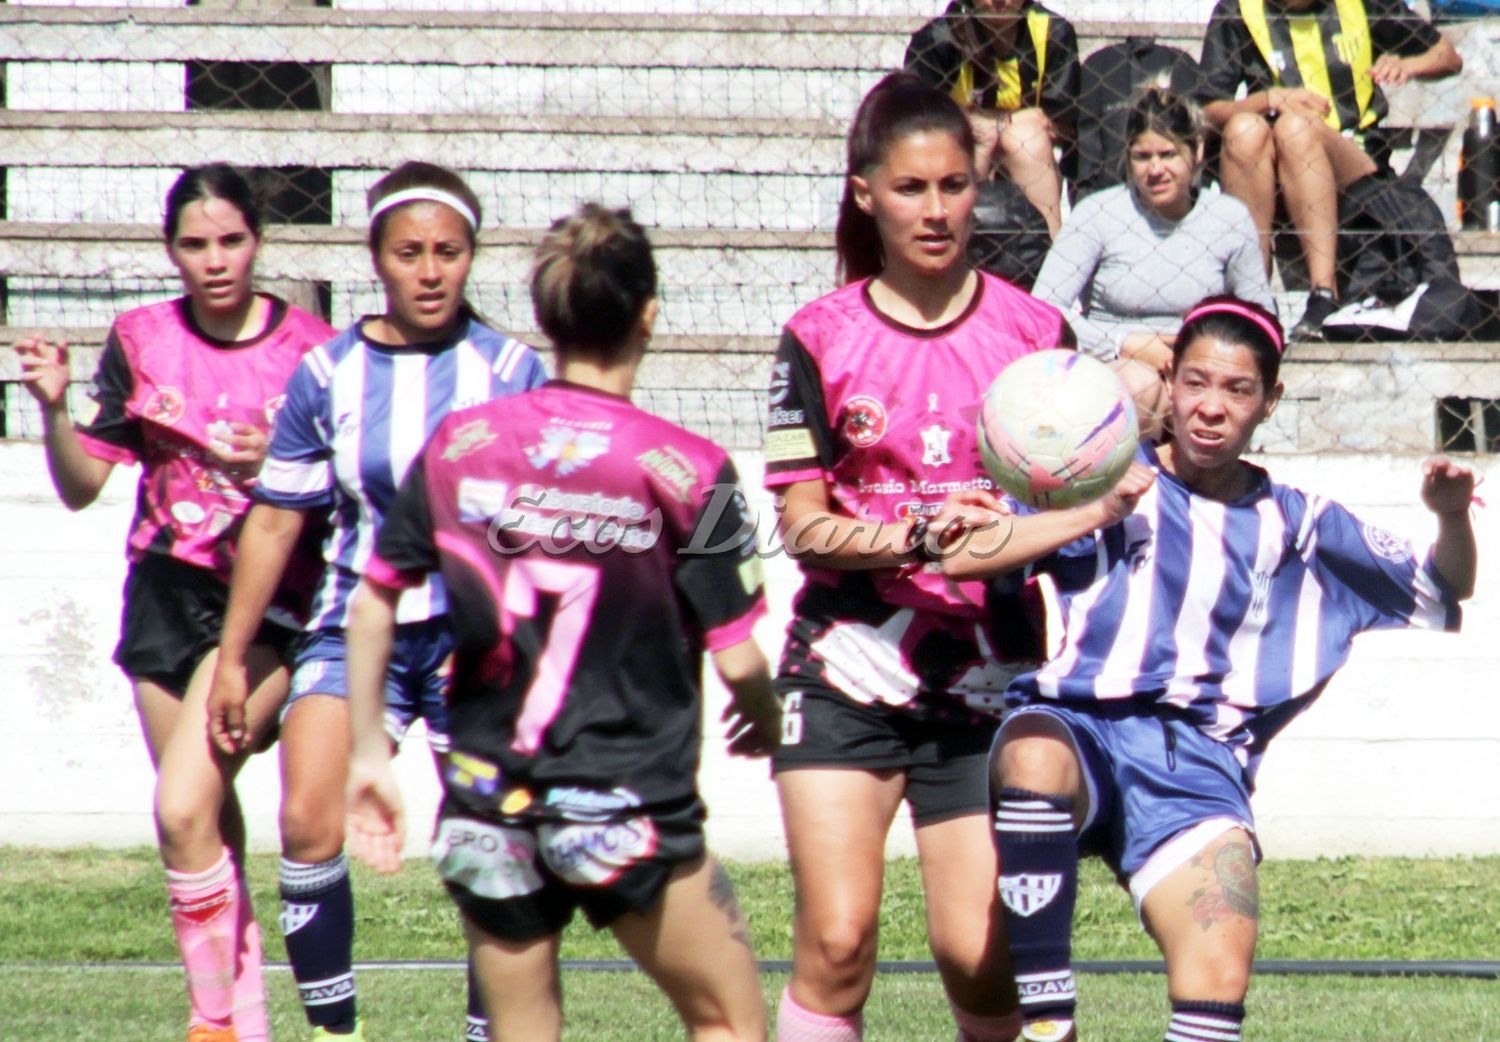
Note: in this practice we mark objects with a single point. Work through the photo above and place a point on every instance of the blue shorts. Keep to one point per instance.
(416, 683)
(1159, 789)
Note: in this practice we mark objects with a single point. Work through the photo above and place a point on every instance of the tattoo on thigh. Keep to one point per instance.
(721, 893)
(1234, 890)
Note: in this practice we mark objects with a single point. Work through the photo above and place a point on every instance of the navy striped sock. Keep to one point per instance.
(1205, 1021)
(1038, 886)
(317, 920)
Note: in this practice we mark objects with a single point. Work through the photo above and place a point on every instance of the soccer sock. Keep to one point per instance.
(250, 1022)
(477, 1023)
(1038, 885)
(1205, 1021)
(974, 1028)
(205, 918)
(317, 919)
(795, 1024)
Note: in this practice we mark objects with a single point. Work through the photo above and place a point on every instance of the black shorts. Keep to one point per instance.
(521, 881)
(943, 753)
(172, 619)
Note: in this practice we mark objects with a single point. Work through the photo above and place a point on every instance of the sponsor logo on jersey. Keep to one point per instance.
(597, 854)
(487, 860)
(219, 521)
(864, 421)
(787, 417)
(295, 916)
(187, 512)
(935, 441)
(164, 407)
(567, 449)
(516, 801)
(467, 439)
(480, 499)
(590, 804)
(781, 382)
(789, 444)
(673, 473)
(1028, 894)
(1384, 544)
(472, 774)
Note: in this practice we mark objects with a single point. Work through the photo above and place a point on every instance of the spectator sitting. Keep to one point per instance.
(1309, 120)
(1013, 66)
(1132, 259)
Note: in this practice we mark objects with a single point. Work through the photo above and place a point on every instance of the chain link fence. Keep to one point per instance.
(723, 131)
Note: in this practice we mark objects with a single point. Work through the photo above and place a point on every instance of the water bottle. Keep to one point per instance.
(1479, 171)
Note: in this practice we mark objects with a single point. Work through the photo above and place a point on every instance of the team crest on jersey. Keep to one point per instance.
(864, 420)
(1383, 544)
(935, 441)
(468, 438)
(1029, 893)
(165, 406)
(567, 448)
(673, 473)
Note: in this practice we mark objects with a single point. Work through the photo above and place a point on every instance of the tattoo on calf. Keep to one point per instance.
(1234, 891)
(721, 893)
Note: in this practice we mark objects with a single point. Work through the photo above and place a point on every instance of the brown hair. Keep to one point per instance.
(898, 106)
(417, 174)
(592, 276)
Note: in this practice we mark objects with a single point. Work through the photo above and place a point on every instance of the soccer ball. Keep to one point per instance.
(1057, 428)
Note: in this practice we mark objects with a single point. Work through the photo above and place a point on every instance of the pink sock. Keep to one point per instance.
(250, 1022)
(973, 1028)
(205, 917)
(795, 1024)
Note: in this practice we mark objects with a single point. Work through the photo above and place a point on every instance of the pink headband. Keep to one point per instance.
(1224, 307)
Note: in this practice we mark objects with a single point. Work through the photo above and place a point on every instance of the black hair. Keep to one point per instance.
(1225, 318)
(593, 275)
(214, 181)
(898, 106)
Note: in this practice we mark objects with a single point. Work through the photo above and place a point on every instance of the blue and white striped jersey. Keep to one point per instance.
(1236, 613)
(356, 414)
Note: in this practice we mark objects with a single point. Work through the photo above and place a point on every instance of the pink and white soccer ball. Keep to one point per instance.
(1057, 428)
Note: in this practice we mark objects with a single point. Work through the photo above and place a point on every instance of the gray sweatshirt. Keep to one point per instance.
(1116, 268)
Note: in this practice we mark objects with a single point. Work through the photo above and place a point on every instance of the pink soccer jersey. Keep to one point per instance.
(886, 414)
(591, 553)
(165, 389)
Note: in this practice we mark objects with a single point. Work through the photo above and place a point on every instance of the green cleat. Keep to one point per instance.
(320, 1034)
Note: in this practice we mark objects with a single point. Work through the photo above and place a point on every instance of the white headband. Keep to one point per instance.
(429, 195)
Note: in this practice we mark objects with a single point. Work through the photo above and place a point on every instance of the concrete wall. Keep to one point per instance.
(1388, 762)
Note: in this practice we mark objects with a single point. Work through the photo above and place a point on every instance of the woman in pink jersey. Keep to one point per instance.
(187, 388)
(889, 681)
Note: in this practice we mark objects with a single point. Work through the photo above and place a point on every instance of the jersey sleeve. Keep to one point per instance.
(799, 444)
(1229, 57)
(405, 550)
(1375, 576)
(719, 574)
(298, 472)
(1397, 29)
(113, 434)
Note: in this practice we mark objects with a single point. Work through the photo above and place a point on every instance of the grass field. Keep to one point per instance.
(58, 909)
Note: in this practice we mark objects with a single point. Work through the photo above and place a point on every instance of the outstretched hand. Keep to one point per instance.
(1447, 486)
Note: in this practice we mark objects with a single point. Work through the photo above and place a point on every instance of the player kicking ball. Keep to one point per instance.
(591, 553)
(1204, 606)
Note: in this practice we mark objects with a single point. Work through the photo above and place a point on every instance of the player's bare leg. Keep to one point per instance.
(1314, 163)
(520, 985)
(836, 823)
(1247, 170)
(197, 812)
(695, 943)
(1025, 154)
(1040, 799)
(1204, 917)
(965, 926)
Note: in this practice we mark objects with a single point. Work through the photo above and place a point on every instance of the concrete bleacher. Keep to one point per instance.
(724, 132)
